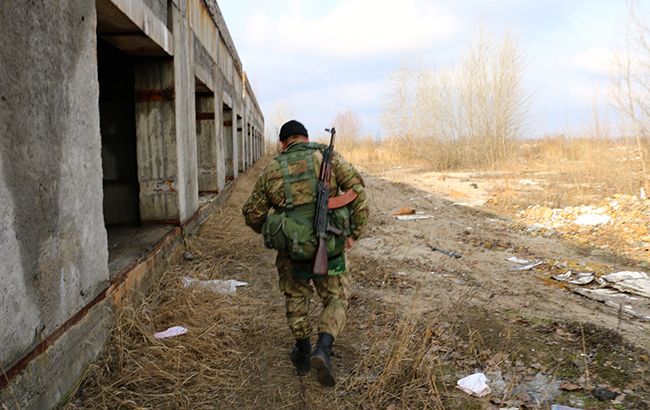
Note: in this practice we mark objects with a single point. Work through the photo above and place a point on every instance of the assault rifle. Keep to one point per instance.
(323, 204)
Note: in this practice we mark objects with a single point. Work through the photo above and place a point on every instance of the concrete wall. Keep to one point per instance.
(56, 296)
(52, 236)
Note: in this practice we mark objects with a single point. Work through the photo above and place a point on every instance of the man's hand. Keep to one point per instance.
(349, 243)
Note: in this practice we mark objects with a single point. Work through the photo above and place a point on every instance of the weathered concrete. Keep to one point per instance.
(155, 120)
(72, 161)
(52, 237)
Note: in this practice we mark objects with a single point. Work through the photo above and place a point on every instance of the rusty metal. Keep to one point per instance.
(166, 94)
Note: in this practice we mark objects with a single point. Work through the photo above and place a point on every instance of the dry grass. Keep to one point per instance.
(573, 169)
(402, 348)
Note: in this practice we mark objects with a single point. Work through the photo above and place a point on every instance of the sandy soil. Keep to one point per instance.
(419, 320)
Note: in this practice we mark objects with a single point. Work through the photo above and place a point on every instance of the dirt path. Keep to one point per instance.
(418, 321)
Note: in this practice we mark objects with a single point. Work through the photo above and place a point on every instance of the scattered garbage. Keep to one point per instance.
(215, 285)
(633, 306)
(404, 211)
(171, 332)
(623, 217)
(581, 278)
(475, 384)
(528, 182)
(526, 267)
(561, 407)
(451, 254)
(637, 283)
(541, 390)
(519, 261)
(415, 217)
(603, 394)
(592, 219)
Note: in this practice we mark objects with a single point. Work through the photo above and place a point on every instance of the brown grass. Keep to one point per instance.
(573, 169)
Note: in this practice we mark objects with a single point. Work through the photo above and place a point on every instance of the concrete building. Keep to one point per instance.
(122, 123)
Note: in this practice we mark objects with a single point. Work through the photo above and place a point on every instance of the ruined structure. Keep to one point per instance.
(122, 123)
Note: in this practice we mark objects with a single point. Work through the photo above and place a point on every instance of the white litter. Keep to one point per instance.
(527, 267)
(528, 182)
(171, 332)
(475, 384)
(519, 261)
(215, 285)
(412, 217)
(582, 278)
(592, 219)
(637, 283)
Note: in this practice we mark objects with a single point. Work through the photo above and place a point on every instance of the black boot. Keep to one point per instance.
(321, 362)
(300, 356)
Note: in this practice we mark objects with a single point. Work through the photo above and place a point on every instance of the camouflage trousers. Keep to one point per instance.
(334, 292)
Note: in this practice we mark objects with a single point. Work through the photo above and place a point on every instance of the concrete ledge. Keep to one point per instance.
(143, 17)
(52, 371)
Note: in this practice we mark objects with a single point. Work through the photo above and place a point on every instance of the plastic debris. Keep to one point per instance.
(637, 283)
(171, 332)
(561, 407)
(451, 254)
(592, 219)
(416, 217)
(540, 390)
(528, 182)
(636, 307)
(603, 394)
(475, 384)
(519, 261)
(215, 285)
(582, 278)
(527, 267)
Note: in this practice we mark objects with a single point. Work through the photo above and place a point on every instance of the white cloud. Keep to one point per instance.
(596, 60)
(355, 28)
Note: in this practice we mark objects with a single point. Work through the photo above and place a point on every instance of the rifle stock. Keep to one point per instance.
(320, 259)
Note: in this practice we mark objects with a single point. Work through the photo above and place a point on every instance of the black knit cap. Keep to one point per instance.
(290, 128)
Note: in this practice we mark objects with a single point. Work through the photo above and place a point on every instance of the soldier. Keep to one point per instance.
(288, 186)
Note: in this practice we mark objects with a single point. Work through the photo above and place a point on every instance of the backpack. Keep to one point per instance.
(291, 228)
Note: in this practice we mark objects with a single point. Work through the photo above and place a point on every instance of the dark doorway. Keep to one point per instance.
(117, 126)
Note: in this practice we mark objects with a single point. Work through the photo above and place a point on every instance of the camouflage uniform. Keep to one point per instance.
(333, 288)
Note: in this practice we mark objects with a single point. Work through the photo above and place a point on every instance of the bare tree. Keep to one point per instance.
(471, 111)
(348, 127)
(632, 94)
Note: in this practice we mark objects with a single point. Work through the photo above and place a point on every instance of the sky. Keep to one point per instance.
(318, 58)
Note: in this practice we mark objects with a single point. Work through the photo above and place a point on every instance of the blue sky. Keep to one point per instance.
(322, 57)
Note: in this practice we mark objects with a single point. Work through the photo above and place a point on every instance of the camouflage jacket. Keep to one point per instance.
(269, 190)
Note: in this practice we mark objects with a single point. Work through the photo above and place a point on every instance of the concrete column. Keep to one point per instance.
(155, 119)
(184, 83)
(206, 142)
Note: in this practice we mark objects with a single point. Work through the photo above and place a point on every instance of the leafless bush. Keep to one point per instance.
(469, 114)
(632, 96)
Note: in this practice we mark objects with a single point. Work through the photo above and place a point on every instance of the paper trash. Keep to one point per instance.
(476, 385)
(171, 332)
(412, 217)
(519, 261)
(527, 267)
(216, 285)
(637, 283)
